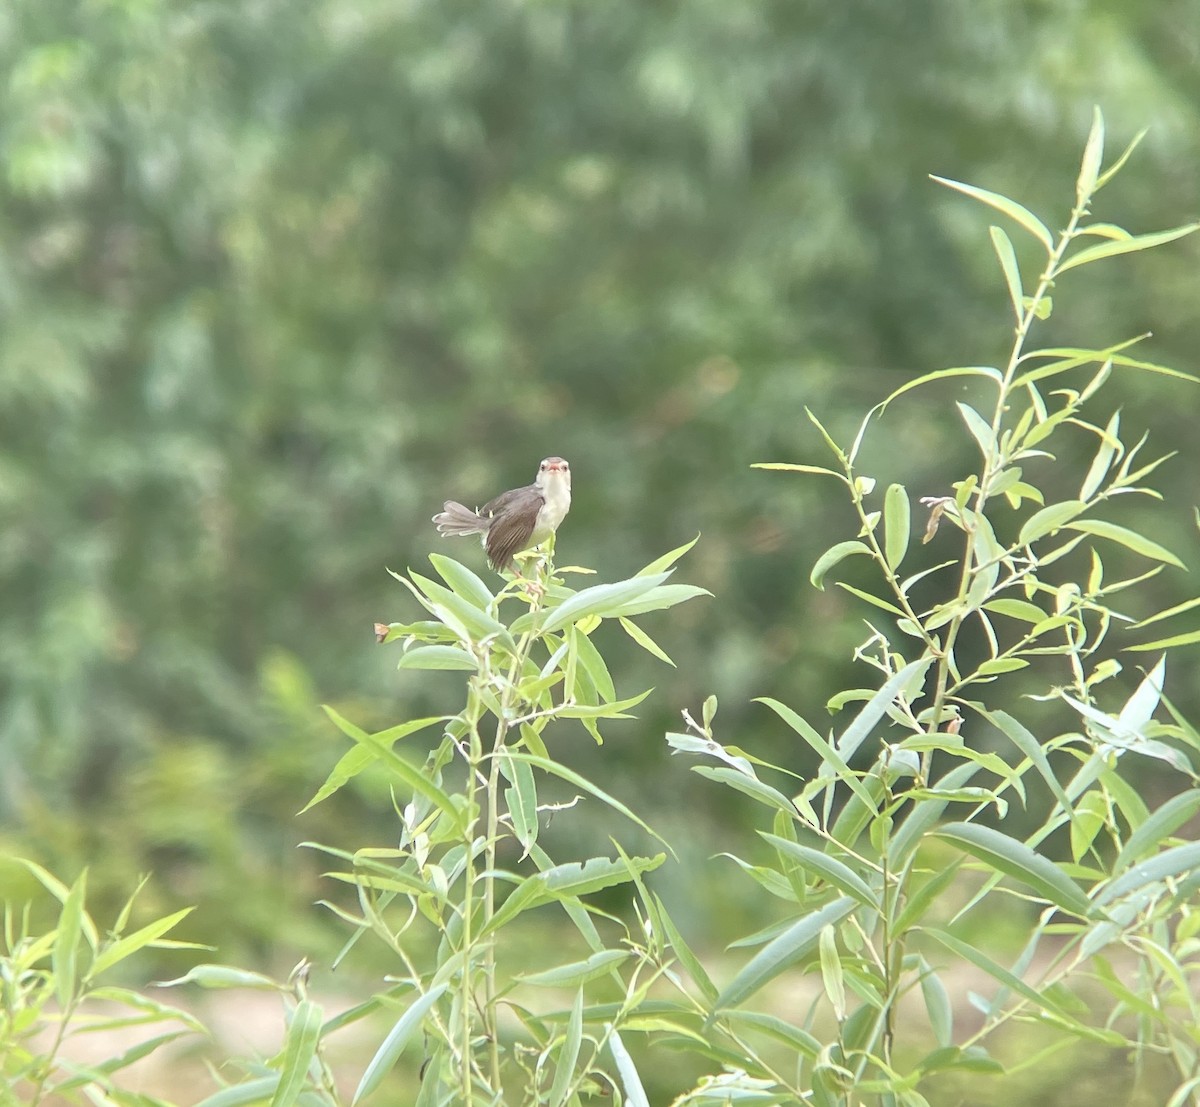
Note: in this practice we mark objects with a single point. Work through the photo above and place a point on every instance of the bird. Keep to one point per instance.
(516, 520)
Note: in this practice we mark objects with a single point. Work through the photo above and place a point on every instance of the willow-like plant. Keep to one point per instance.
(892, 853)
(470, 866)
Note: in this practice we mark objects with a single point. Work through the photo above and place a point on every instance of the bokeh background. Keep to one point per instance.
(279, 276)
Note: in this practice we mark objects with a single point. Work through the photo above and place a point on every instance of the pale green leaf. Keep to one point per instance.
(832, 557)
(1125, 537)
(299, 1048)
(1093, 153)
(1049, 519)
(896, 524)
(437, 657)
(794, 944)
(1012, 274)
(393, 1045)
(568, 1053)
(985, 371)
(1011, 208)
(1126, 246)
(1016, 859)
(830, 869)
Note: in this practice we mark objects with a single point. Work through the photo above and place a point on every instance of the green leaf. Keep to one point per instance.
(568, 881)
(437, 657)
(687, 958)
(786, 467)
(786, 1033)
(896, 523)
(463, 581)
(1186, 639)
(861, 727)
(1093, 153)
(568, 1053)
(1031, 748)
(1171, 862)
(644, 640)
(751, 786)
(795, 943)
(479, 624)
(614, 710)
(1117, 165)
(635, 1094)
(1125, 537)
(830, 869)
(252, 1091)
(1102, 462)
(659, 599)
(1016, 609)
(831, 972)
(393, 1045)
(65, 957)
(355, 760)
(577, 972)
(1126, 246)
(521, 800)
(825, 750)
(874, 601)
(1012, 274)
(600, 599)
(937, 1005)
(222, 976)
(299, 1048)
(1041, 1000)
(1011, 208)
(131, 943)
(1048, 520)
(832, 556)
(985, 371)
(1014, 858)
(998, 665)
(547, 765)
(398, 766)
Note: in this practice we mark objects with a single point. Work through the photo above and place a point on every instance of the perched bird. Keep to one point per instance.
(516, 520)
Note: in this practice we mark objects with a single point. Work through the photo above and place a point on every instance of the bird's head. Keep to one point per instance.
(554, 470)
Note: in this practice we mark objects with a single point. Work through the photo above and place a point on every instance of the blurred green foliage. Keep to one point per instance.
(278, 278)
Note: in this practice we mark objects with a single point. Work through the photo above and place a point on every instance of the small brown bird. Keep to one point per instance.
(516, 520)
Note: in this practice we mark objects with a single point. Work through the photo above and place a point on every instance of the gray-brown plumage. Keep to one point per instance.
(516, 520)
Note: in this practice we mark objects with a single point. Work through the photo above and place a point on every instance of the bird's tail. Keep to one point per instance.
(455, 521)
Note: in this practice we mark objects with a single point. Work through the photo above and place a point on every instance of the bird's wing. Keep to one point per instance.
(513, 516)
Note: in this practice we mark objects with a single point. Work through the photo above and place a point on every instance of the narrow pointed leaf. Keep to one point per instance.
(1011, 208)
(131, 943)
(830, 869)
(65, 957)
(1014, 858)
(393, 1045)
(1126, 246)
(299, 1048)
(795, 943)
(568, 1053)
(1093, 153)
(600, 599)
(1008, 265)
(635, 1094)
(1125, 537)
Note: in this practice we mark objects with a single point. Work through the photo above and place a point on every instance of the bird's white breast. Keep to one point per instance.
(557, 493)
